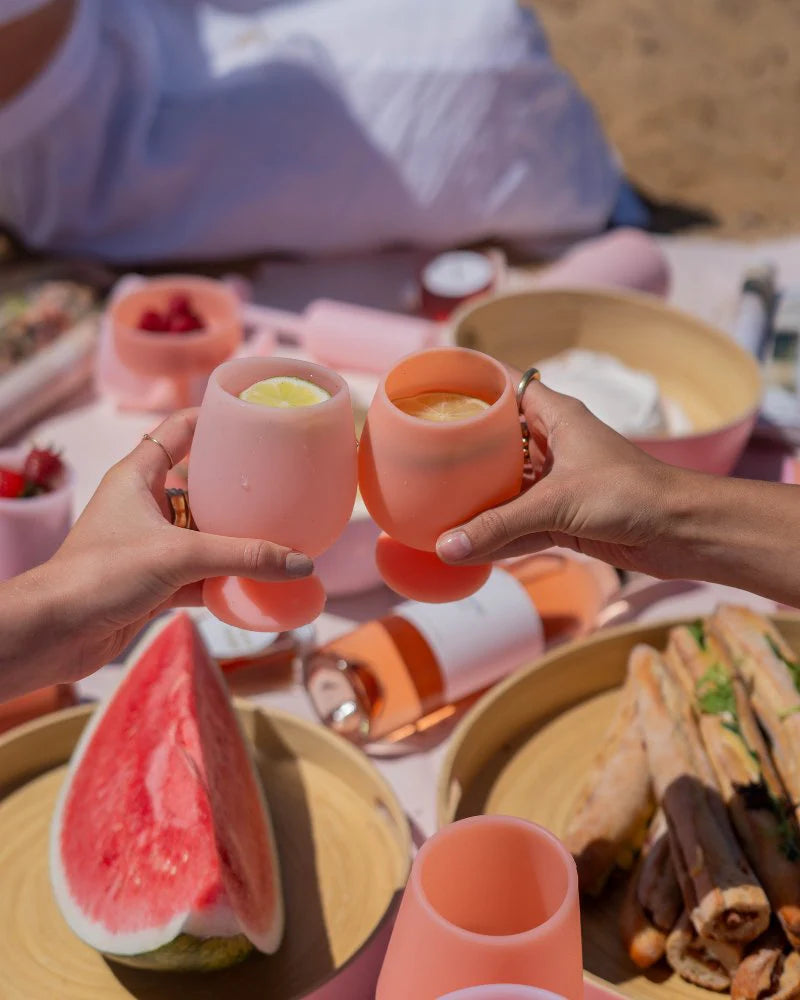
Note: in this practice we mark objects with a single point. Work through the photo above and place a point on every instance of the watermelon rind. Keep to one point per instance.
(188, 953)
(168, 946)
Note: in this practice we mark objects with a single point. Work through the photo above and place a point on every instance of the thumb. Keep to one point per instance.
(493, 534)
(206, 555)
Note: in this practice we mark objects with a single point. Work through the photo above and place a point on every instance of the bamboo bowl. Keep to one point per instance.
(717, 384)
(344, 848)
(524, 749)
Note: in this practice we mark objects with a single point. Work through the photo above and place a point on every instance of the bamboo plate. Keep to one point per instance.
(524, 749)
(344, 847)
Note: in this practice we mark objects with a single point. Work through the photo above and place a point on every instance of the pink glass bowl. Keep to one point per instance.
(177, 355)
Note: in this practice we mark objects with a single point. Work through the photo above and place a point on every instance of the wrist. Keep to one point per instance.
(38, 628)
(690, 529)
(737, 532)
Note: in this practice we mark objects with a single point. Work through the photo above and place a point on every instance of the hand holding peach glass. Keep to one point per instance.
(442, 442)
(274, 457)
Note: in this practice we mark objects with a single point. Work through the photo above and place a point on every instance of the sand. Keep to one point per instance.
(701, 98)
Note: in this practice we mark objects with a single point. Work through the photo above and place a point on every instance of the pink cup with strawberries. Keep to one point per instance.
(176, 327)
(35, 507)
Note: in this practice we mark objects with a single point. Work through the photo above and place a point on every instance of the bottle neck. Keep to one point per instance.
(344, 693)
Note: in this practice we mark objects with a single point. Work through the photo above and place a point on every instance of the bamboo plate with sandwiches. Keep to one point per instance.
(667, 757)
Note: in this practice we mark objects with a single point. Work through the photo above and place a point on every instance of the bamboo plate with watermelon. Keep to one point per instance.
(341, 837)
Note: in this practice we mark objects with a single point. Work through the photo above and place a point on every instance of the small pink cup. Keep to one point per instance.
(32, 528)
(177, 357)
(490, 899)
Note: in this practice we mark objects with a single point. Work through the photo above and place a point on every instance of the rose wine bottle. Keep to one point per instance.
(381, 679)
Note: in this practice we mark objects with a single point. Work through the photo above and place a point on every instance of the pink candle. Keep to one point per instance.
(32, 528)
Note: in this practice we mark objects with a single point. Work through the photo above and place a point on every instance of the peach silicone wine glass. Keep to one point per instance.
(179, 357)
(287, 475)
(421, 477)
(490, 899)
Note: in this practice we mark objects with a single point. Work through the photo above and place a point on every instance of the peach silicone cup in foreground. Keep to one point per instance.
(32, 528)
(420, 478)
(490, 899)
(287, 475)
(179, 357)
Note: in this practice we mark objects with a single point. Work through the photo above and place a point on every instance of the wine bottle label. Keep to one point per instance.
(482, 638)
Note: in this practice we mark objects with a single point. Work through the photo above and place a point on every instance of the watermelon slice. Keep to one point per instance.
(162, 853)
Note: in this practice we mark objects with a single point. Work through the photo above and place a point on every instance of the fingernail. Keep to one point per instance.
(298, 565)
(455, 546)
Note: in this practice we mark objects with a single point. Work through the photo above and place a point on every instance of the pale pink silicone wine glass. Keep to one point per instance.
(491, 899)
(420, 478)
(287, 475)
(179, 357)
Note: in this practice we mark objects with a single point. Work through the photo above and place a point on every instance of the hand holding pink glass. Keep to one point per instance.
(286, 475)
(442, 442)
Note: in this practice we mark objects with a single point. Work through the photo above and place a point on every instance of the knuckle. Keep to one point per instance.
(256, 555)
(574, 408)
(494, 529)
(181, 421)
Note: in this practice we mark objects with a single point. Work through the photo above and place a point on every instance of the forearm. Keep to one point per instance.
(28, 43)
(738, 532)
(33, 633)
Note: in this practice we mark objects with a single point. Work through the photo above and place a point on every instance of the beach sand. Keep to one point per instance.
(700, 97)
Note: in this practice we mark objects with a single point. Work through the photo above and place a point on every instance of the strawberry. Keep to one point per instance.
(42, 467)
(12, 484)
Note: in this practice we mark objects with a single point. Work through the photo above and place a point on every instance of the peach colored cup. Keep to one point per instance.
(179, 357)
(490, 899)
(420, 478)
(502, 991)
(32, 528)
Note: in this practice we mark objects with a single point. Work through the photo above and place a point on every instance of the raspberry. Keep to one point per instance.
(153, 321)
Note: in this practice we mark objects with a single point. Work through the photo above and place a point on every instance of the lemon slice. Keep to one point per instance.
(441, 407)
(285, 391)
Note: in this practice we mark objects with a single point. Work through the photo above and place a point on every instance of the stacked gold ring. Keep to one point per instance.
(180, 512)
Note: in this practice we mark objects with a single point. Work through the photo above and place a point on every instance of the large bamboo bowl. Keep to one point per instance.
(523, 750)
(716, 382)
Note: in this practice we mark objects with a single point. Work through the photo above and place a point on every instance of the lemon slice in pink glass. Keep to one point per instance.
(285, 391)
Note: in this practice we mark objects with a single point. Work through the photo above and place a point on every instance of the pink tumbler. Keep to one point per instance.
(490, 899)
